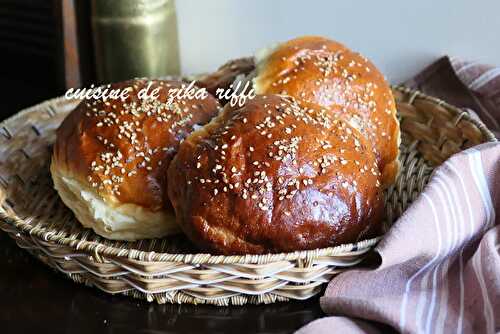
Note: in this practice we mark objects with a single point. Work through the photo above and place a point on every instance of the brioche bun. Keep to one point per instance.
(110, 159)
(319, 70)
(275, 176)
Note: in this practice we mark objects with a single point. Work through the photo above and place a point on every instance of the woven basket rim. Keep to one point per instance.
(98, 249)
(459, 111)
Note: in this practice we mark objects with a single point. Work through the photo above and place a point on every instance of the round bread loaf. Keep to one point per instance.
(111, 156)
(321, 71)
(275, 176)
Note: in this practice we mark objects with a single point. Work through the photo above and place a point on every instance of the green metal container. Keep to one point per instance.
(135, 38)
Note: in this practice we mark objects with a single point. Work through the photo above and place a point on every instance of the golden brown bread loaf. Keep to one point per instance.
(275, 176)
(318, 70)
(110, 159)
(322, 71)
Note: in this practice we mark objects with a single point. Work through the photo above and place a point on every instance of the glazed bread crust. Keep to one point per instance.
(318, 70)
(110, 158)
(275, 176)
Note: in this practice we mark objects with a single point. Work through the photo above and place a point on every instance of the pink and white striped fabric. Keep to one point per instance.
(484, 83)
(440, 262)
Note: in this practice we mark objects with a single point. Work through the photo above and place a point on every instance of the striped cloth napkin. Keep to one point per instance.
(440, 263)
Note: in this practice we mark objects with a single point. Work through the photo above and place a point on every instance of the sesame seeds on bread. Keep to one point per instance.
(110, 158)
(275, 176)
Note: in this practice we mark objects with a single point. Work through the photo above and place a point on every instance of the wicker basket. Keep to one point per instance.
(167, 270)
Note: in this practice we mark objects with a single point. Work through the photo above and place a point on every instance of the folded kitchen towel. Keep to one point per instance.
(439, 268)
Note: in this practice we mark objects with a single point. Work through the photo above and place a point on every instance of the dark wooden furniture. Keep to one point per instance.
(45, 48)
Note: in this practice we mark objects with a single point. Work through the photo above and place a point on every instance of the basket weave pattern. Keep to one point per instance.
(169, 269)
